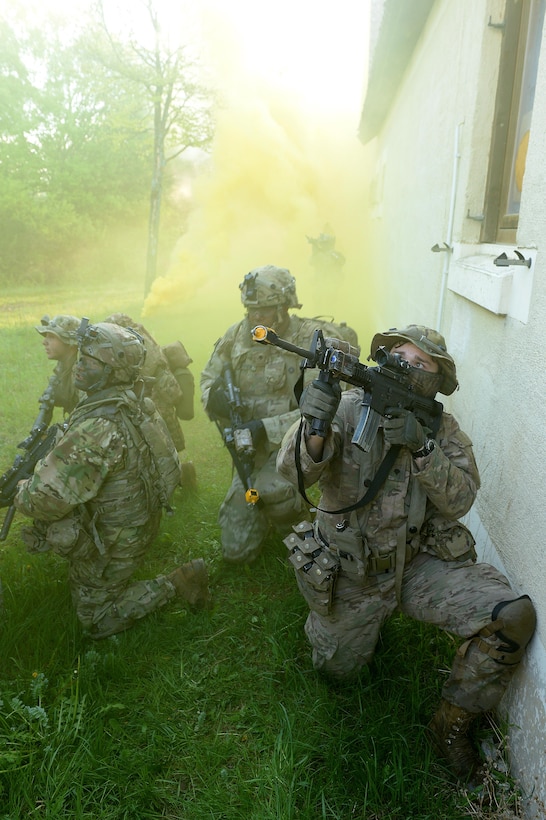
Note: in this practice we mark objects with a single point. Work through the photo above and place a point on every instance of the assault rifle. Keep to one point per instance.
(35, 446)
(386, 385)
(238, 439)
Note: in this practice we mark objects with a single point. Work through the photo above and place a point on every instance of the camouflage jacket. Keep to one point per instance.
(443, 484)
(265, 374)
(96, 470)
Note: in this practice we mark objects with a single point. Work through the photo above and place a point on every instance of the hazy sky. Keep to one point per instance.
(312, 45)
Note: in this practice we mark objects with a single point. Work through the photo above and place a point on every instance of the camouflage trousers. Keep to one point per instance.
(105, 600)
(245, 526)
(457, 597)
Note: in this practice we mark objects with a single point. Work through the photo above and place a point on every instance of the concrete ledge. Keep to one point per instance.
(502, 290)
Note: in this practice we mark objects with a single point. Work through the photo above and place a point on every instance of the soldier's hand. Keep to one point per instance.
(257, 430)
(401, 427)
(217, 402)
(320, 400)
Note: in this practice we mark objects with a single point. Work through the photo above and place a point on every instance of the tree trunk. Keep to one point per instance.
(155, 196)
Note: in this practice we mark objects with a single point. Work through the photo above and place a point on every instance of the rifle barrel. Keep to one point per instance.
(266, 335)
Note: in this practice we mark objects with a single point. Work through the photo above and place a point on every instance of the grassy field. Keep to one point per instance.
(217, 715)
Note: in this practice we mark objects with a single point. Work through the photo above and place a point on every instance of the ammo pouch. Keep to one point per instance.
(316, 567)
(448, 540)
(352, 550)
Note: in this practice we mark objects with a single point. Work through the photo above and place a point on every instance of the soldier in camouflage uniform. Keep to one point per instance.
(266, 377)
(404, 548)
(61, 344)
(97, 497)
(172, 395)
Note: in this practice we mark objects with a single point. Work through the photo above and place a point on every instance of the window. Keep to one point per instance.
(522, 34)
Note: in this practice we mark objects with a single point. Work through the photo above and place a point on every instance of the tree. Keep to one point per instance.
(74, 154)
(180, 105)
(88, 123)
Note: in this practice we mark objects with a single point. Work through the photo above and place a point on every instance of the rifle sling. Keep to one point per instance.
(376, 484)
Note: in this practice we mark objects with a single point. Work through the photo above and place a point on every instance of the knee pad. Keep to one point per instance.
(511, 628)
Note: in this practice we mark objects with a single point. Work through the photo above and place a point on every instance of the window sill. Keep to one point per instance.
(504, 291)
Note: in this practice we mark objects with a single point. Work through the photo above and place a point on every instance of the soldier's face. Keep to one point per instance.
(88, 373)
(55, 348)
(425, 373)
(416, 357)
(275, 317)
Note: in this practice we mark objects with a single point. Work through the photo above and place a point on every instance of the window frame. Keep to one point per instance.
(500, 225)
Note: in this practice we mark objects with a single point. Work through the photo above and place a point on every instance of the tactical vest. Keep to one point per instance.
(265, 374)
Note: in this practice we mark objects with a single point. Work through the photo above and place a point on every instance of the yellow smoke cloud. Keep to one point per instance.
(280, 170)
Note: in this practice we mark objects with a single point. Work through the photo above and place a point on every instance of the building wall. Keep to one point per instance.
(430, 162)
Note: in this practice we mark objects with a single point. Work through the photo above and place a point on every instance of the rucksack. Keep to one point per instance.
(179, 361)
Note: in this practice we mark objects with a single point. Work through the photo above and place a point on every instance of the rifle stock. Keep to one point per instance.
(386, 385)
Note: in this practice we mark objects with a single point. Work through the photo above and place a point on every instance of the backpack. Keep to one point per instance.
(178, 361)
(155, 433)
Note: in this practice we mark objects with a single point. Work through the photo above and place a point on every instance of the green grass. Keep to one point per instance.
(216, 715)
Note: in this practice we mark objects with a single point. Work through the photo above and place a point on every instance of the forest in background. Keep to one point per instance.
(95, 139)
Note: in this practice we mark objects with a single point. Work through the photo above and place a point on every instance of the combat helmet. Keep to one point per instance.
(64, 326)
(429, 341)
(120, 349)
(269, 286)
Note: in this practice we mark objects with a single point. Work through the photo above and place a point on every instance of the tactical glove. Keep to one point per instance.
(257, 430)
(320, 400)
(217, 402)
(401, 427)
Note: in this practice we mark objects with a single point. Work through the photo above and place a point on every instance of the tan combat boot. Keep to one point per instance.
(448, 732)
(191, 582)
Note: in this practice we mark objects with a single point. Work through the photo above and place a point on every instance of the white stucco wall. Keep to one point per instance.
(448, 95)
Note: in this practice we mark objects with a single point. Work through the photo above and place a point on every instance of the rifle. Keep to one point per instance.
(237, 439)
(35, 446)
(386, 385)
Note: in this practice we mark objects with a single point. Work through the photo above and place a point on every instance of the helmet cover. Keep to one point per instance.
(63, 326)
(121, 349)
(429, 341)
(269, 286)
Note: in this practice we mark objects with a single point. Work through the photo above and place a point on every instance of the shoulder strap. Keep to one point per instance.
(376, 484)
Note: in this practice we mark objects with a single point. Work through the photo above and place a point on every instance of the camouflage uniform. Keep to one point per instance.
(266, 377)
(405, 550)
(61, 389)
(96, 499)
(165, 391)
